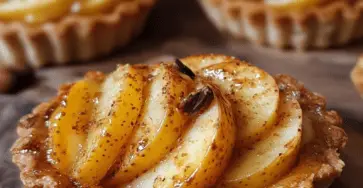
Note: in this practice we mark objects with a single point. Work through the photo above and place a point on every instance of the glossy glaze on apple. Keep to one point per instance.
(201, 121)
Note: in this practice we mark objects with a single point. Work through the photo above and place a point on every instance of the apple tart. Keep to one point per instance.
(299, 24)
(357, 75)
(37, 33)
(201, 121)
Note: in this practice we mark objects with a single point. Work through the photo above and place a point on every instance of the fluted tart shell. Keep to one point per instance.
(71, 38)
(332, 24)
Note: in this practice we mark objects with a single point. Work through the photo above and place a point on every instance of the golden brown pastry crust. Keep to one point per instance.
(333, 24)
(319, 161)
(357, 75)
(71, 38)
(30, 150)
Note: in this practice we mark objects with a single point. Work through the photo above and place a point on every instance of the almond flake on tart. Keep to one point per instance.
(38, 33)
(208, 120)
(299, 24)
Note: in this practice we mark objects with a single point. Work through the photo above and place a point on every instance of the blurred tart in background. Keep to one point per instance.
(37, 33)
(357, 75)
(299, 24)
(200, 121)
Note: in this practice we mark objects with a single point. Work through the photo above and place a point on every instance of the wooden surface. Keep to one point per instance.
(179, 28)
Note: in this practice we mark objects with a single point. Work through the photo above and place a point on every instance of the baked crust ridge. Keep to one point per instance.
(72, 37)
(333, 24)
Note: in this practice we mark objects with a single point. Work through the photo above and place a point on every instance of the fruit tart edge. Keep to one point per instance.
(319, 161)
(357, 75)
(73, 37)
(332, 25)
(30, 149)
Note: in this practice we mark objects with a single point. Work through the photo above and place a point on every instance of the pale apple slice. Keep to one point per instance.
(254, 96)
(202, 155)
(266, 161)
(197, 63)
(253, 93)
(117, 111)
(160, 125)
(67, 132)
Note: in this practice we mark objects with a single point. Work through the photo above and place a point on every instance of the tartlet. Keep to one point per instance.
(178, 124)
(296, 24)
(39, 33)
(357, 75)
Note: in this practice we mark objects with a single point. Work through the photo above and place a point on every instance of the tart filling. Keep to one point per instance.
(39, 11)
(202, 120)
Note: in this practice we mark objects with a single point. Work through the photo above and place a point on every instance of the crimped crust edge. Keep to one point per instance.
(332, 25)
(72, 38)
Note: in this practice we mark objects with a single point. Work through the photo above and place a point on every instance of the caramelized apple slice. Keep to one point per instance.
(202, 155)
(161, 124)
(253, 93)
(117, 112)
(68, 123)
(302, 175)
(33, 11)
(266, 161)
(254, 96)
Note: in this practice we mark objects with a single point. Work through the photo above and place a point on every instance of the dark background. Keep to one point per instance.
(179, 28)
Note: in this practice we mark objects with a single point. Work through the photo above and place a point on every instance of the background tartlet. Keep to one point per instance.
(357, 75)
(72, 37)
(332, 24)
